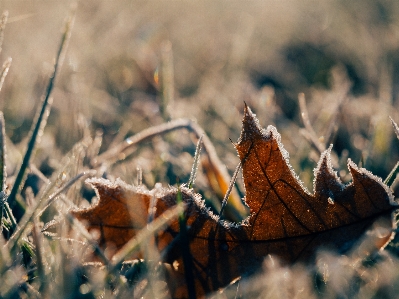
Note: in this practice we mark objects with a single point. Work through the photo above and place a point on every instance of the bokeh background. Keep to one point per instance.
(131, 65)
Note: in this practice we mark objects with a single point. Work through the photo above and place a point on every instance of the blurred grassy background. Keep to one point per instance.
(132, 65)
(216, 55)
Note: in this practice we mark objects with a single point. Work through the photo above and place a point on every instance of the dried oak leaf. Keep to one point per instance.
(285, 221)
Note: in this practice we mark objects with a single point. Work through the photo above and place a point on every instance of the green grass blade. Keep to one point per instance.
(40, 122)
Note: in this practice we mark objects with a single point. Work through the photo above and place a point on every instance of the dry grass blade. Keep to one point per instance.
(394, 172)
(134, 244)
(83, 231)
(392, 175)
(4, 71)
(395, 127)
(168, 87)
(43, 114)
(10, 215)
(124, 149)
(194, 169)
(3, 22)
(33, 212)
(232, 182)
(5, 259)
(311, 134)
(236, 209)
(3, 173)
(80, 176)
(38, 246)
(332, 127)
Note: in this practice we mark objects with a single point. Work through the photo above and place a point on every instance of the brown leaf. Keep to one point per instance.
(286, 220)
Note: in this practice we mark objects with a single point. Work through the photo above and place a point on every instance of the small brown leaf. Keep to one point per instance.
(286, 220)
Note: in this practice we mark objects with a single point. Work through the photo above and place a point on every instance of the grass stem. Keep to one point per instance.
(42, 116)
